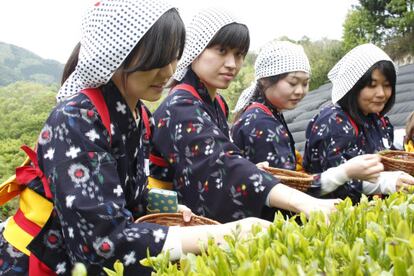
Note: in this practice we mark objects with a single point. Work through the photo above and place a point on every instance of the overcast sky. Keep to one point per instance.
(50, 28)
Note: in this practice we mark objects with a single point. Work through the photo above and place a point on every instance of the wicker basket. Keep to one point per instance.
(175, 219)
(397, 160)
(297, 180)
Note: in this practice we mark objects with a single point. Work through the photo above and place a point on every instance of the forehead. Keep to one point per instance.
(298, 75)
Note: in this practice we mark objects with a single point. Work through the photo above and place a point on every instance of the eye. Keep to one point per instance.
(221, 50)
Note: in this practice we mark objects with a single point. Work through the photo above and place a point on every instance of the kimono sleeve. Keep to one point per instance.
(89, 196)
(263, 138)
(210, 174)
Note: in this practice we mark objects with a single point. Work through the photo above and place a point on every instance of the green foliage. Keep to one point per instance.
(387, 23)
(372, 238)
(323, 55)
(25, 107)
(17, 64)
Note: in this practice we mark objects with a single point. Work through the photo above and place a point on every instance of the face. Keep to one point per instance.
(289, 91)
(145, 85)
(217, 66)
(374, 96)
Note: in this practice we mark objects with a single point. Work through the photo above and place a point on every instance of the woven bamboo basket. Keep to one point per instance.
(397, 160)
(175, 219)
(297, 180)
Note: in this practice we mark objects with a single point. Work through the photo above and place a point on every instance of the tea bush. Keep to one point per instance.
(373, 238)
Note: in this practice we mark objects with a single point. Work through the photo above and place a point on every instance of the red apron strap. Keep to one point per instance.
(189, 88)
(354, 125)
(29, 227)
(25, 174)
(221, 104)
(145, 119)
(261, 106)
(37, 268)
(95, 96)
(383, 122)
(159, 161)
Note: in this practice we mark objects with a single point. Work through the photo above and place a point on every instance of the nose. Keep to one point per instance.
(230, 61)
(380, 93)
(300, 90)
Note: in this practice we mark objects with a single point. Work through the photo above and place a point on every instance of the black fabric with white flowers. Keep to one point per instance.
(206, 168)
(98, 187)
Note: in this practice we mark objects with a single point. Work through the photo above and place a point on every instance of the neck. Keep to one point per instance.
(212, 91)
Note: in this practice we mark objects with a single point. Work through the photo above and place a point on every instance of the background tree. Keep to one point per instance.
(386, 23)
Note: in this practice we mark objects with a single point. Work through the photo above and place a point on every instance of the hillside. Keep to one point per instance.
(17, 64)
(24, 108)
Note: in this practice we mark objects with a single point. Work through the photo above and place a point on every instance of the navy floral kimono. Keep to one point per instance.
(98, 188)
(206, 169)
(264, 136)
(332, 137)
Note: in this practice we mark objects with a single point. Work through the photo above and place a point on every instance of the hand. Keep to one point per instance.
(262, 165)
(186, 212)
(404, 182)
(364, 167)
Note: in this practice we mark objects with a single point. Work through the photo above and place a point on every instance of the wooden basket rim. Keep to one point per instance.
(384, 156)
(175, 216)
(299, 176)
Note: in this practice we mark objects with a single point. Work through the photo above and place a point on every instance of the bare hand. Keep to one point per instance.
(262, 165)
(364, 167)
(186, 212)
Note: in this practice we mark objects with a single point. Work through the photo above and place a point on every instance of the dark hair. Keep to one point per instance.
(162, 44)
(70, 64)
(261, 86)
(409, 129)
(233, 36)
(349, 103)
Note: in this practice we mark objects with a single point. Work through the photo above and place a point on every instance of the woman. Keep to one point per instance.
(192, 147)
(87, 184)
(282, 81)
(363, 92)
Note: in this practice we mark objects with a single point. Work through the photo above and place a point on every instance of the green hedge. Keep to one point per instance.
(372, 238)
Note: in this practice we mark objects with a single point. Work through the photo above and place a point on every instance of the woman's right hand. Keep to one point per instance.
(364, 167)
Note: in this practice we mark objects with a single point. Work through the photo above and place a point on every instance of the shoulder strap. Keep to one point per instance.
(145, 119)
(383, 121)
(189, 88)
(95, 96)
(260, 106)
(221, 103)
(354, 125)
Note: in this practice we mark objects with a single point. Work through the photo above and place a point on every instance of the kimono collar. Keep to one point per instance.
(119, 110)
(262, 100)
(192, 79)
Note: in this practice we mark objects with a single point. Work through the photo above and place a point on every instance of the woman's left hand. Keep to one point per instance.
(185, 211)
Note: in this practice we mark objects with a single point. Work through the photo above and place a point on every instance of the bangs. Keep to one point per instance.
(161, 45)
(233, 36)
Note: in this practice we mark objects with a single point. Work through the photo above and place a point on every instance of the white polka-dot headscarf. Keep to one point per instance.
(110, 30)
(201, 30)
(275, 58)
(346, 73)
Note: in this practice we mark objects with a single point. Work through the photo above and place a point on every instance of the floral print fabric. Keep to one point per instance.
(98, 187)
(263, 137)
(206, 169)
(331, 139)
